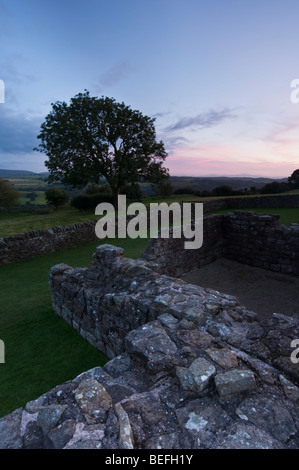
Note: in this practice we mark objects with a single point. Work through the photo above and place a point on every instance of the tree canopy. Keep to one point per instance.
(294, 179)
(56, 197)
(97, 137)
(9, 197)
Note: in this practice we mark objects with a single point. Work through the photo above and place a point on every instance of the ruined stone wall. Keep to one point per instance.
(199, 372)
(174, 260)
(247, 237)
(259, 240)
(249, 202)
(40, 242)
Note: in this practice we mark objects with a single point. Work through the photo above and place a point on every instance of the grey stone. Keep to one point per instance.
(202, 420)
(49, 416)
(125, 431)
(224, 357)
(58, 437)
(234, 381)
(10, 436)
(33, 437)
(93, 400)
(150, 342)
(202, 371)
(290, 390)
(185, 377)
(245, 436)
(269, 415)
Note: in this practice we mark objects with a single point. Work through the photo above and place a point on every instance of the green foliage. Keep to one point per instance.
(56, 197)
(132, 191)
(294, 179)
(164, 189)
(88, 202)
(224, 190)
(274, 188)
(93, 188)
(8, 196)
(97, 137)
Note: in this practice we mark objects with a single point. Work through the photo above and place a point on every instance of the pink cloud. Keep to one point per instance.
(234, 160)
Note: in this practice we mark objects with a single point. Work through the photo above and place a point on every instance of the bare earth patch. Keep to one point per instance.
(265, 292)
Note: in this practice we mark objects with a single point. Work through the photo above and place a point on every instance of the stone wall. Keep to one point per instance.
(249, 202)
(40, 242)
(195, 371)
(174, 260)
(246, 237)
(259, 240)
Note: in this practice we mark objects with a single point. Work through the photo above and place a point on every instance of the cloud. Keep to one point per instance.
(11, 70)
(115, 74)
(18, 134)
(158, 115)
(203, 120)
(172, 143)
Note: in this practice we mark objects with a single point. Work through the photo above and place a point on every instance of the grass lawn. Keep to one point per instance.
(41, 350)
(12, 223)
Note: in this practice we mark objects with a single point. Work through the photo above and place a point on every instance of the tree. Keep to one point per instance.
(164, 189)
(56, 197)
(97, 137)
(8, 195)
(224, 190)
(294, 179)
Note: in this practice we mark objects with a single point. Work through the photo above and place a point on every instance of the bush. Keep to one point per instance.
(164, 189)
(186, 190)
(132, 191)
(56, 197)
(223, 190)
(87, 202)
(8, 195)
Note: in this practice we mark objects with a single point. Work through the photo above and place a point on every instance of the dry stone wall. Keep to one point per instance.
(247, 237)
(39, 242)
(259, 240)
(195, 371)
(285, 200)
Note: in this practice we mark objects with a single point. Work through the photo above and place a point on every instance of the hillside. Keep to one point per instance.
(19, 173)
(208, 183)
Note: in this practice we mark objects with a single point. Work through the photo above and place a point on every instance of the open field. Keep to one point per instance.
(12, 223)
(41, 350)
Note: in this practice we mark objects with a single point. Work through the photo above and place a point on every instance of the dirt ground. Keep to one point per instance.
(260, 290)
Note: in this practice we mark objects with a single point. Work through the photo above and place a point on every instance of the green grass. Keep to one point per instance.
(41, 198)
(287, 215)
(12, 223)
(41, 350)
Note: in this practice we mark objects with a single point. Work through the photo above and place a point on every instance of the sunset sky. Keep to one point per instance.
(216, 75)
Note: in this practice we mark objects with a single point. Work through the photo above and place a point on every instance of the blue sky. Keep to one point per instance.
(216, 75)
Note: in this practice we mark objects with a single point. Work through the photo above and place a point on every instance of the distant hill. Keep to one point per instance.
(199, 183)
(19, 173)
(208, 183)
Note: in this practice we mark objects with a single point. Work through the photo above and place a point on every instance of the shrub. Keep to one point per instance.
(56, 197)
(87, 202)
(132, 191)
(8, 195)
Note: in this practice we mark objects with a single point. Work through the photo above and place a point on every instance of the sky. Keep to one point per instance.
(215, 74)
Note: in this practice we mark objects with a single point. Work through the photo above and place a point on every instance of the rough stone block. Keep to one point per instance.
(234, 381)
